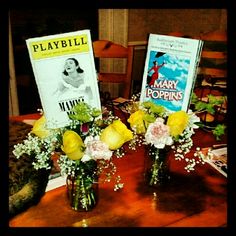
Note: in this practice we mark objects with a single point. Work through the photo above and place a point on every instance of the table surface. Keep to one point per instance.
(196, 199)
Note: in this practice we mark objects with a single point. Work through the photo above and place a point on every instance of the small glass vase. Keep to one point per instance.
(157, 166)
(82, 192)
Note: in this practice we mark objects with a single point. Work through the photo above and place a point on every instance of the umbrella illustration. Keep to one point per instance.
(155, 68)
(159, 54)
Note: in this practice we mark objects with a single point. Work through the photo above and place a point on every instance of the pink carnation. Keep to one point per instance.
(97, 149)
(158, 134)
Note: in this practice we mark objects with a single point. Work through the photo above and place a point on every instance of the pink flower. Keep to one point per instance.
(96, 149)
(158, 134)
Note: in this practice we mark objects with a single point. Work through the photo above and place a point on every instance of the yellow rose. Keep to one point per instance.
(137, 122)
(116, 134)
(39, 128)
(73, 145)
(177, 122)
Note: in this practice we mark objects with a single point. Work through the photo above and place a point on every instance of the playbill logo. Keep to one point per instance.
(60, 46)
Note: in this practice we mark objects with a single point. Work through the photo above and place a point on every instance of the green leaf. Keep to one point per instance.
(150, 118)
(213, 100)
(154, 109)
(194, 98)
(200, 106)
(84, 113)
(219, 131)
(210, 108)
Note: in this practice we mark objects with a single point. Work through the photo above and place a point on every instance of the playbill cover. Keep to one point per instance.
(170, 71)
(64, 70)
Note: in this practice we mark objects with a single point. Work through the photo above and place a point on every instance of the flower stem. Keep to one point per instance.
(154, 173)
(81, 193)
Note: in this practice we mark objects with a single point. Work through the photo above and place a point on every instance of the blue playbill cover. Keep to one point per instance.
(170, 71)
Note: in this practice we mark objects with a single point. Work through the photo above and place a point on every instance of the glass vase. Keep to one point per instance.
(82, 192)
(157, 166)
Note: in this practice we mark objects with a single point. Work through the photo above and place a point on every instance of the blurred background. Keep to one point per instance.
(124, 26)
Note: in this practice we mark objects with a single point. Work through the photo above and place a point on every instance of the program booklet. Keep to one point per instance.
(170, 71)
(65, 74)
(218, 160)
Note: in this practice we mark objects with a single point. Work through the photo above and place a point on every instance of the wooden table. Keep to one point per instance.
(196, 199)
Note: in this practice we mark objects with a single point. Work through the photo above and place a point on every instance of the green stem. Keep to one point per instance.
(158, 168)
(81, 192)
(77, 193)
(154, 172)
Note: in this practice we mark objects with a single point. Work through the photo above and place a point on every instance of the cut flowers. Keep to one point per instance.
(161, 131)
(85, 148)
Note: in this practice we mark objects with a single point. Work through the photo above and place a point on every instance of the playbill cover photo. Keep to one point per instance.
(65, 74)
(170, 71)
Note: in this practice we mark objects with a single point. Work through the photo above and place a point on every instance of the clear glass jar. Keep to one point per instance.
(156, 167)
(82, 192)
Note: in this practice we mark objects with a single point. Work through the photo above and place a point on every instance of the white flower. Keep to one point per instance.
(90, 139)
(96, 149)
(193, 118)
(86, 158)
(158, 134)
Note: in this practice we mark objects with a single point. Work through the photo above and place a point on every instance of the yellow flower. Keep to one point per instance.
(116, 134)
(177, 122)
(73, 145)
(39, 128)
(136, 121)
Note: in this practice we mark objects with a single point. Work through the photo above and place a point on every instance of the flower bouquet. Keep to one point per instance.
(162, 131)
(84, 149)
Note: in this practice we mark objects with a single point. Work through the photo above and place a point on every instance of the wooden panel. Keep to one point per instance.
(213, 72)
(13, 98)
(104, 49)
(108, 77)
(215, 55)
(113, 26)
(213, 63)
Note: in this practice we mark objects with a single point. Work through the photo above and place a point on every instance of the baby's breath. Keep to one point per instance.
(67, 166)
(181, 143)
(92, 157)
